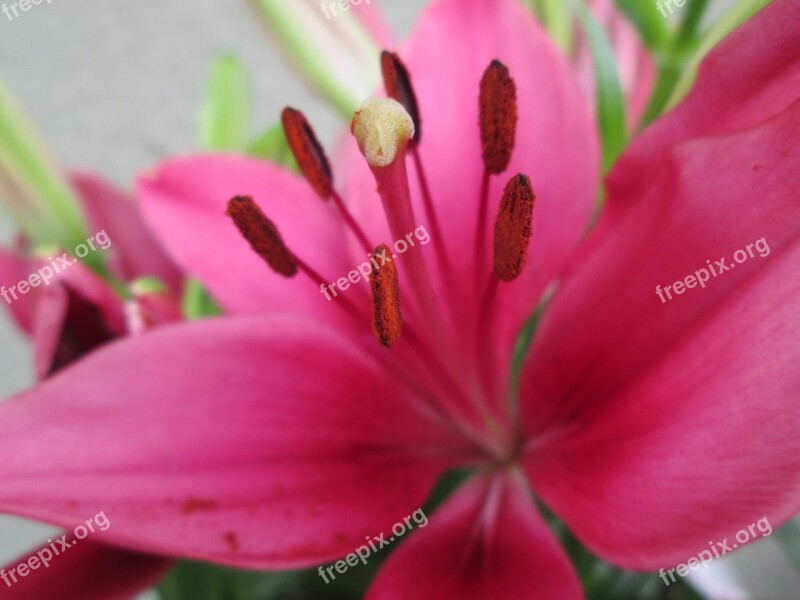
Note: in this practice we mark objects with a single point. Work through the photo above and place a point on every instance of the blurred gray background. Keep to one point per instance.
(115, 85)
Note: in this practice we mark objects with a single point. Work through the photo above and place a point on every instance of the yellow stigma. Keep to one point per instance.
(382, 128)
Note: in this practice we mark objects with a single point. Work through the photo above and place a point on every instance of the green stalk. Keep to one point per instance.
(314, 45)
(32, 187)
(610, 99)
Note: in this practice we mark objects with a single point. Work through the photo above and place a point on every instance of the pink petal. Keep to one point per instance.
(749, 77)
(556, 146)
(86, 571)
(185, 202)
(704, 445)
(711, 198)
(257, 442)
(135, 252)
(488, 541)
(676, 421)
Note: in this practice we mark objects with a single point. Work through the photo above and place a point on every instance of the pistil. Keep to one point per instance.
(383, 130)
(397, 82)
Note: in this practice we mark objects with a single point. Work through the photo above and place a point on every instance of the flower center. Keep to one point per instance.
(454, 372)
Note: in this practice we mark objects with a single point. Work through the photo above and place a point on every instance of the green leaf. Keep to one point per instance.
(272, 146)
(673, 58)
(447, 484)
(148, 285)
(788, 537)
(690, 24)
(32, 187)
(649, 21)
(602, 581)
(197, 302)
(610, 99)
(200, 581)
(743, 10)
(669, 73)
(226, 112)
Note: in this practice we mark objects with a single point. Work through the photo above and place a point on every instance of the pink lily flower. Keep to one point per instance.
(77, 303)
(282, 436)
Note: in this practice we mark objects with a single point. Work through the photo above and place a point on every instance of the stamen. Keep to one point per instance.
(350, 220)
(266, 241)
(398, 86)
(485, 322)
(513, 228)
(512, 234)
(498, 116)
(262, 234)
(315, 167)
(307, 151)
(480, 229)
(387, 319)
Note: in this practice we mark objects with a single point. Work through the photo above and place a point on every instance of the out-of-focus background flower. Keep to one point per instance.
(117, 86)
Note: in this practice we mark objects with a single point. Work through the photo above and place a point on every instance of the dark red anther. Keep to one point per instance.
(387, 319)
(498, 116)
(398, 86)
(307, 152)
(513, 228)
(262, 234)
